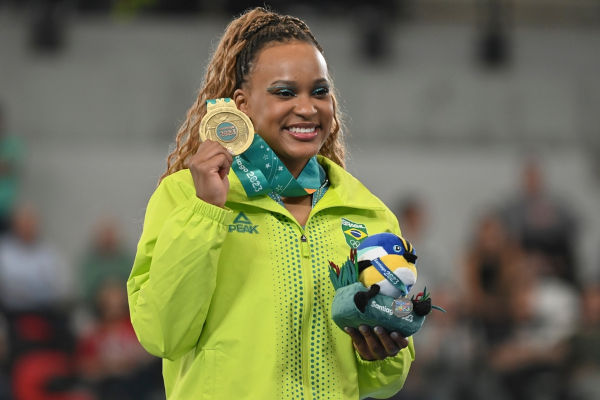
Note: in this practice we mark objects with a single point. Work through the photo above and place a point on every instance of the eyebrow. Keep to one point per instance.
(294, 83)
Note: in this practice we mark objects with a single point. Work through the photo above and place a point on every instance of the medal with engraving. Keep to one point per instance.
(227, 125)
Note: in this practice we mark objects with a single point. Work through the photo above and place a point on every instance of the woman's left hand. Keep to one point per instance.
(376, 343)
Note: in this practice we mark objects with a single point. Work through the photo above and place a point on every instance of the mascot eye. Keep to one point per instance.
(397, 248)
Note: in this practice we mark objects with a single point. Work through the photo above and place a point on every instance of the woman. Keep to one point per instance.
(232, 290)
(492, 269)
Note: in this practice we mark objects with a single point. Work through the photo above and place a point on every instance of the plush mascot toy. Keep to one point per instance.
(373, 284)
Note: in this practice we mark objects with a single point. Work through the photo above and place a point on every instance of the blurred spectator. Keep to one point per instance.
(110, 357)
(44, 375)
(11, 153)
(35, 288)
(544, 312)
(445, 348)
(107, 259)
(413, 217)
(439, 371)
(32, 274)
(543, 223)
(583, 362)
(490, 269)
(35, 293)
(4, 374)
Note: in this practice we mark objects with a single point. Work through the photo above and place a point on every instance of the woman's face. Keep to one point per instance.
(287, 97)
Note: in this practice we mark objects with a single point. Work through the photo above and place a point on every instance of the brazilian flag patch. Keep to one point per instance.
(354, 232)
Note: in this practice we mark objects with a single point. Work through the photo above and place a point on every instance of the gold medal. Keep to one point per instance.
(227, 125)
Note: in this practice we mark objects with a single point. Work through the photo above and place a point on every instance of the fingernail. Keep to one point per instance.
(346, 329)
(363, 329)
(378, 330)
(394, 335)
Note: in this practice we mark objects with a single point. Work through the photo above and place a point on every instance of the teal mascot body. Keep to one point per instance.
(373, 284)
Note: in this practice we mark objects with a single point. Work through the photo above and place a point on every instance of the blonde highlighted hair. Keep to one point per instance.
(228, 69)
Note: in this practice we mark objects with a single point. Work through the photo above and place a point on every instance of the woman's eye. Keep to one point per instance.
(285, 93)
(322, 91)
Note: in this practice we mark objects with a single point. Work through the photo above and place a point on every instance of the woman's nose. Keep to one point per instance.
(305, 106)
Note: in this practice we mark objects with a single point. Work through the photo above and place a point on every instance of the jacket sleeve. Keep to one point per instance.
(174, 272)
(382, 379)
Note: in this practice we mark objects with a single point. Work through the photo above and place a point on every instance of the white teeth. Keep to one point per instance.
(301, 130)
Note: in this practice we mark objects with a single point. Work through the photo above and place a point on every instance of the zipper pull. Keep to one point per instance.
(304, 248)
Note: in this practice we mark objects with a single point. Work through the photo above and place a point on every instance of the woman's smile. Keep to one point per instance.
(302, 131)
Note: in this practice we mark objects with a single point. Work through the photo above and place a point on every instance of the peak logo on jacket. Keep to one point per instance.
(242, 224)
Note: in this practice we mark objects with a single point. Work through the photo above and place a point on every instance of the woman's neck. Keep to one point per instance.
(295, 166)
(299, 207)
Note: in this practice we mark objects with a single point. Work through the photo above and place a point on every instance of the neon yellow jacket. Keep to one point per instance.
(237, 301)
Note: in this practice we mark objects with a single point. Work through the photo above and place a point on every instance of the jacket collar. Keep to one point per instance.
(344, 191)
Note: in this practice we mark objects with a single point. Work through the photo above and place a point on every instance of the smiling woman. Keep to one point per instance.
(231, 286)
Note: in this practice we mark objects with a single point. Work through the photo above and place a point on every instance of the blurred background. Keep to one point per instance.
(477, 122)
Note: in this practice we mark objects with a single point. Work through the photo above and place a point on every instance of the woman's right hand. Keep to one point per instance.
(209, 168)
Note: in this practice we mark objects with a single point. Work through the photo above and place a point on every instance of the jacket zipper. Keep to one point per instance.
(305, 332)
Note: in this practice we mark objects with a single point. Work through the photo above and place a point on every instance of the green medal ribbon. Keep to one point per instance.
(261, 172)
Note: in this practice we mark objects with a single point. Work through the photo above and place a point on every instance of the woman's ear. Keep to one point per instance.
(240, 98)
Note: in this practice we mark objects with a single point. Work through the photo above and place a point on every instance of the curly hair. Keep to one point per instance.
(228, 69)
